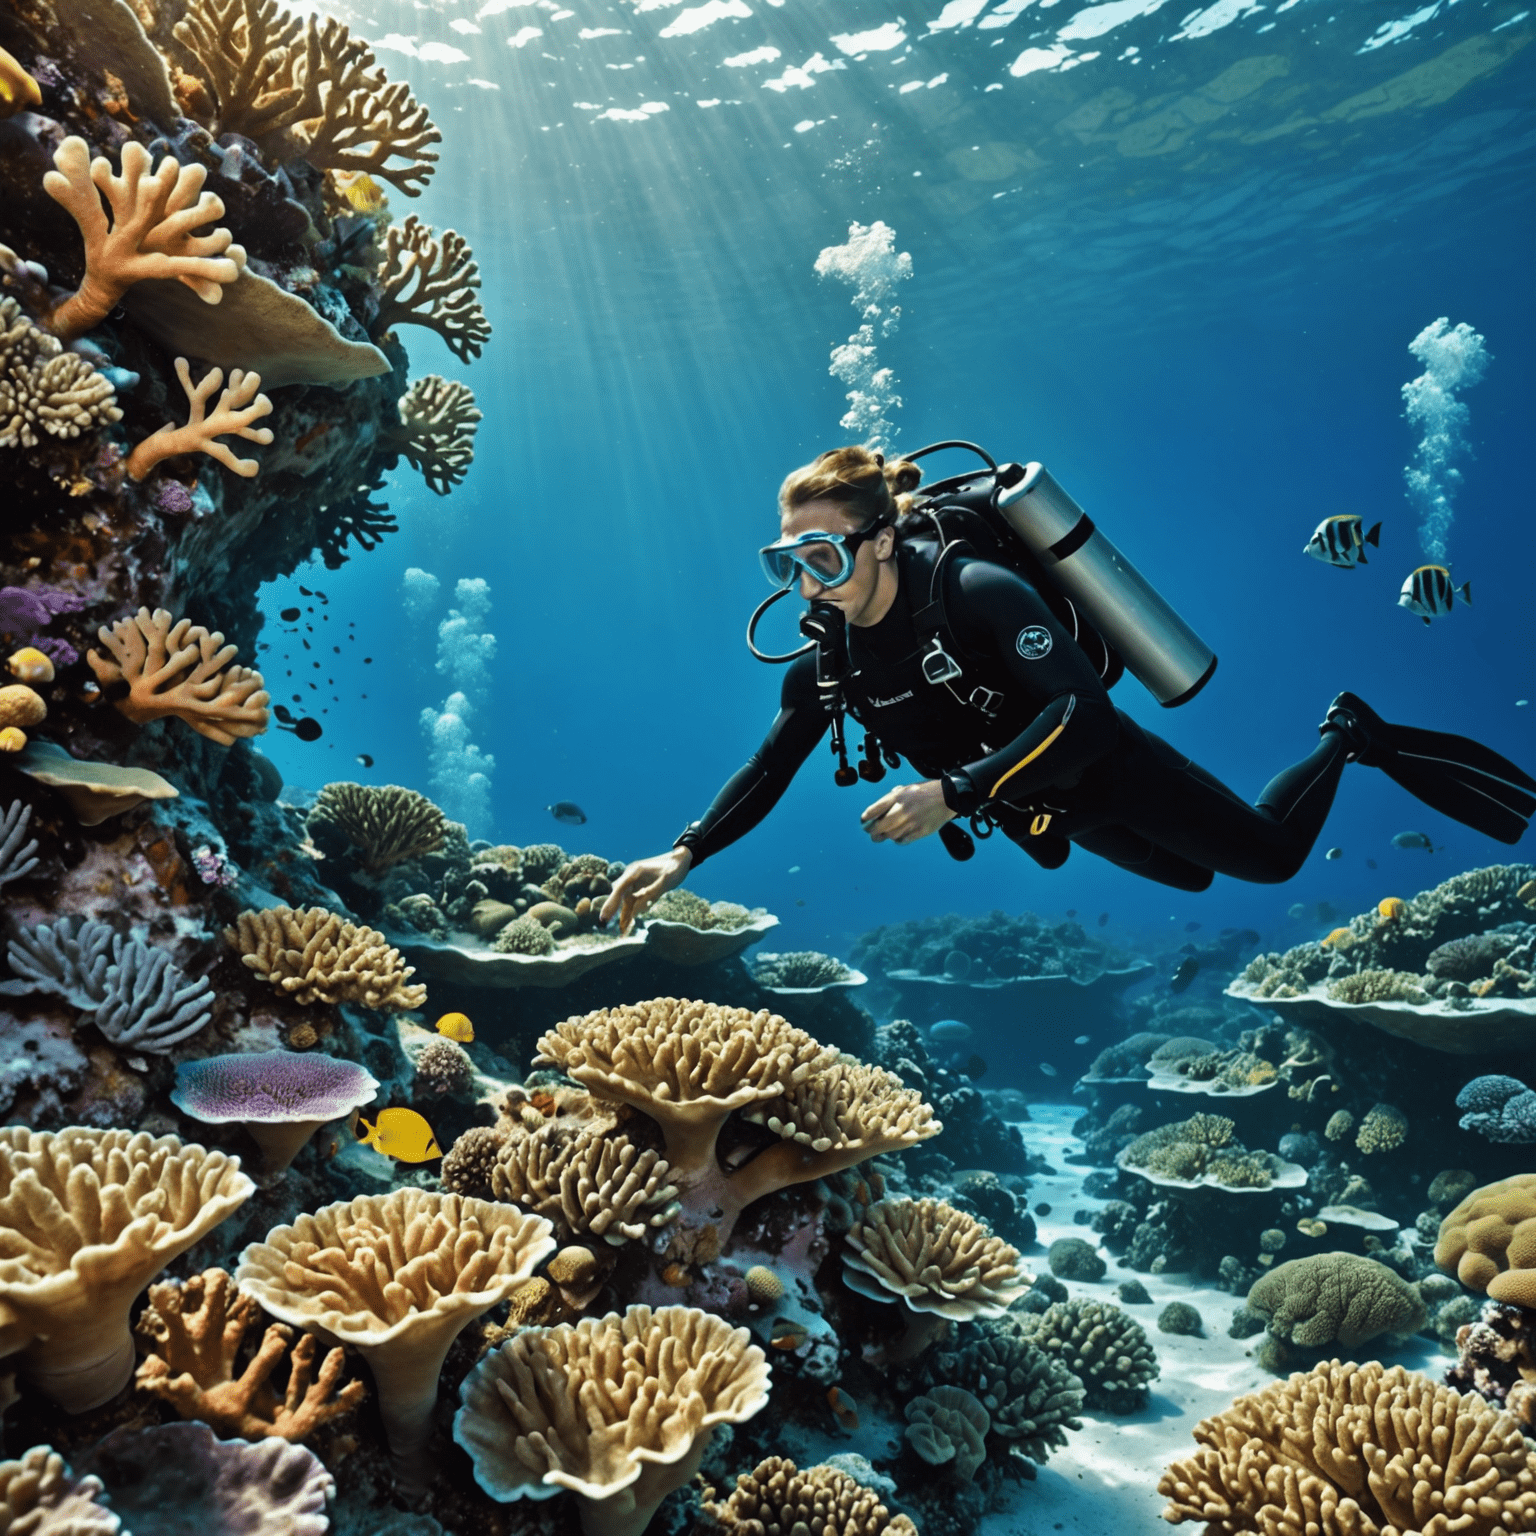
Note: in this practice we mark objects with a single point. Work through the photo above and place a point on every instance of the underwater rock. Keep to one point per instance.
(1180, 1317)
(1071, 1258)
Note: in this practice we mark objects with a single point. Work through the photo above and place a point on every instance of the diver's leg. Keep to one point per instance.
(1134, 854)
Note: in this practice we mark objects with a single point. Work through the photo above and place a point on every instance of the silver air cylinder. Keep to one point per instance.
(1157, 646)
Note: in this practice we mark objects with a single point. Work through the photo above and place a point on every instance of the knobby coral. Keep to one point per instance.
(1489, 1240)
(438, 421)
(777, 1499)
(315, 956)
(386, 823)
(432, 282)
(1335, 1298)
(1104, 1347)
(175, 667)
(1501, 1108)
(1356, 1448)
(241, 404)
(43, 388)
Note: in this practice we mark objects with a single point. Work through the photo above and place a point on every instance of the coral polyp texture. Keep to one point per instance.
(1103, 1346)
(1356, 1448)
(777, 1498)
(44, 389)
(386, 824)
(317, 956)
(1489, 1240)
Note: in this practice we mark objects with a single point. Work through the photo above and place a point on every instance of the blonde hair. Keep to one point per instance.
(861, 481)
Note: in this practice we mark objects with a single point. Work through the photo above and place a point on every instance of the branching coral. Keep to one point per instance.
(397, 1276)
(948, 1426)
(195, 1331)
(1335, 1298)
(1489, 1240)
(386, 823)
(681, 906)
(1105, 1348)
(438, 421)
(1356, 1448)
(18, 852)
(175, 667)
(1202, 1151)
(469, 1165)
(44, 388)
(39, 1497)
(87, 1219)
(777, 1499)
(150, 235)
(432, 282)
(238, 406)
(314, 956)
(618, 1409)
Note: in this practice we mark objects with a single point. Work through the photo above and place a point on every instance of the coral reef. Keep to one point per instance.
(1202, 1151)
(680, 906)
(239, 405)
(777, 1499)
(1496, 1358)
(993, 946)
(316, 956)
(436, 434)
(44, 388)
(38, 1494)
(429, 281)
(800, 969)
(948, 1426)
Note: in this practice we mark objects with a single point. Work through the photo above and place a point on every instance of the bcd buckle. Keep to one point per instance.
(938, 665)
(986, 700)
(1040, 825)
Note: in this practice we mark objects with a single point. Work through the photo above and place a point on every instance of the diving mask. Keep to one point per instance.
(827, 558)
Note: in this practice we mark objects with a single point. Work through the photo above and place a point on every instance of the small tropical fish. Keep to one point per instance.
(949, 1032)
(794, 869)
(843, 1408)
(401, 1133)
(1188, 969)
(1340, 938)
(289, 615)
(1527, 893)
(1334, 853)
(1071, 913)
(1429, 592)
(1413, 840)
(457, 1027)
(975, 1066)
(1081, 1040)
(569, 812)
(788, 1335)
(360, 190)
(1296, 911)
(1048, 1069)
(1391, 907)
(1338, 541)
(1103, 919)
(365, 759)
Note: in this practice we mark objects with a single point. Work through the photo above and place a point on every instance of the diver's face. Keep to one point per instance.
(867, 594)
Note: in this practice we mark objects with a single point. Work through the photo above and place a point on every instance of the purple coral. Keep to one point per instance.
(212, 867)
(25, 610)
(281, 1097)
(1468, 959)
(173, 496)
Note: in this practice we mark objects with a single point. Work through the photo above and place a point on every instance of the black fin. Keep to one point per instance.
(1466, 593)
(1426, 623)
(1374, 536)
(1360, 558)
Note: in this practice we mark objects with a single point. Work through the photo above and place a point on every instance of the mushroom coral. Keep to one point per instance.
(314, 956)
(943, 1263)
(38, 1497)
(281, 1098)
(87, 1219)
(385, 823)
(617, 1409)
(396, 1276)
(1489, 1240)
(777, 1499)
(1356, 1449)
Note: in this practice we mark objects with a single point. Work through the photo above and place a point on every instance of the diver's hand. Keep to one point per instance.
(642, 883)
(908, 812)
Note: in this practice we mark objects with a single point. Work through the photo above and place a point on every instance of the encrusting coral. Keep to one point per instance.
(175, 667)
(39, 1497)
(617, 1409)
(1104, 1347)
(1489, 1240)
(315, 956)
(195, 1331)
(387, 824)
(430, 281)
(154, 214)
(777, 1499)
(1496, 1358)
(43, 388)
(87, 1219)
(240, 404)
(438, 421)
(1356, 1448)
(397, 1277)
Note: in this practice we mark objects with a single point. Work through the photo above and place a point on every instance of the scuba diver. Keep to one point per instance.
(976, 631)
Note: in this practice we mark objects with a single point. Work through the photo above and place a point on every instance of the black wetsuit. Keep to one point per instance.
(1053, 760)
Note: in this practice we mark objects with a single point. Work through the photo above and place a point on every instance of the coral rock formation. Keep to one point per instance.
(777, 1499)
(1105, 1348)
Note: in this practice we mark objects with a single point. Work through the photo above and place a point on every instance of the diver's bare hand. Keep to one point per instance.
(906, 813)
(642, 883)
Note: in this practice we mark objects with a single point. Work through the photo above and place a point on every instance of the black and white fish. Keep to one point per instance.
(1413, 840)
(1334, 853)
(1188, 969)
(567, 811)
(1339, 541)
(1429, 592)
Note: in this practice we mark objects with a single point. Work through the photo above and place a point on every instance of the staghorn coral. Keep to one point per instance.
(315, 956)
(650, 1385)
(253, 71)
(1360, 1449)
(150, 234)
(173, 667)
(438, 422)
(947, 1425)
(240, 404)
(43, 388)
(387, 824)
(1489, 1240)
(39, 1497)
(1106, 1349)
(777, 1499)
(1335, 1298)
(195, 1330)
(18, 852)
(87, 1218)
(1384, 1127)
(799, 969)
(431, 282)
(524, 936)
(396, 1276)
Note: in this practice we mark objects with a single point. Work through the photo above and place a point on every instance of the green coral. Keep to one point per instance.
(1336, 1298)
(1378, 987)
(1031, 1394)
(1180, 1317)
(525, 936)
(1250, 1170)
(1385, 1126)
(799, 968)
(1102, 1346)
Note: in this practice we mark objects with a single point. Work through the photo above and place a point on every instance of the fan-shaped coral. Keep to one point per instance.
(438, 421)
(386, 823)
(432, 282)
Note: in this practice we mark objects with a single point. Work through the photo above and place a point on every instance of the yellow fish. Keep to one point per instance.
(1340, 938)
(1527, 893)
(844, 1408)
(1391, 907)
(361, 190)
(456, 1026)
(401, 1133)
(18, 90)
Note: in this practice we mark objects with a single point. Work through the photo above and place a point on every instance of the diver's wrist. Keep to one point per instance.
(960, 794)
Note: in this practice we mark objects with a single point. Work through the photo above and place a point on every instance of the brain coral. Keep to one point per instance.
(1105, 1348)
(1330, 1298)
(1489, 1240)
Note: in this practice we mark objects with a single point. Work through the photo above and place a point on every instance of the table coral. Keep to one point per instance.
(95, 792)
(438, 421)
(777, 1499)
(1489, 1240)
(617, 1409)
(1335, 1298)
(44, 388)
(431, 282)
(150, 234)
(315, 956)
(240, 404)
(387, 824)
(1356, 1448)
(196, 1330)
(1106, 1349)
(87, 1219)
(175, 667)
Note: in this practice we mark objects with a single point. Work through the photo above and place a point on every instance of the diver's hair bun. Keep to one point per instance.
(857, 477)
(903, 477)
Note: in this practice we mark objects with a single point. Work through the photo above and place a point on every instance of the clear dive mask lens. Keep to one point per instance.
(827, 558)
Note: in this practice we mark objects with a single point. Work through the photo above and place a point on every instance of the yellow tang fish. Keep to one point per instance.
(1340, 938)
(361, 190)
(844, 1408)
(401, 1133)
(1391, 907)
(456, 1026)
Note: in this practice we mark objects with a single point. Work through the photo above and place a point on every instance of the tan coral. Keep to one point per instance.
(777, 1499)
(87, 1219)
(252, 61)
(95, 792)
(579, 1274)
(238, 406)
(19, 92)
(195, 1331)
(386, 823)
(438, 421)
(44, 388)
(38, 1497)
(397, 1276)
(1489, 1240)
(314, 956)
(617, 1409)
(175, 667)
(430, 281)
(943, 1263)
(1356, 1450)
(150, 235)
(20, 708)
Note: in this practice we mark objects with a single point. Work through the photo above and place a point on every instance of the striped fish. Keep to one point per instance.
(1339, 541)
(1430, 591)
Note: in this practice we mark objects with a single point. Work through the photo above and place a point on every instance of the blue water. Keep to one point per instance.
(1181, 266)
